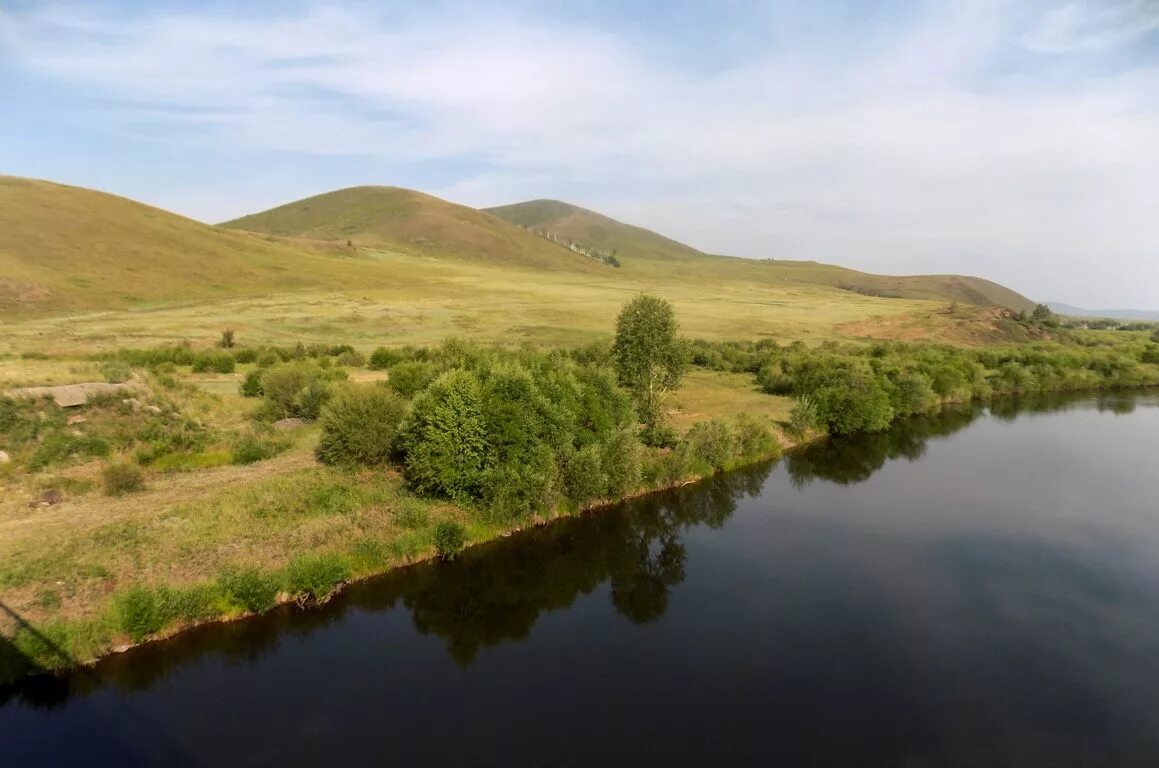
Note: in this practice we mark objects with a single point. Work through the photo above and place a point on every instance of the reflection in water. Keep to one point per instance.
(489, 594)
(924, 618)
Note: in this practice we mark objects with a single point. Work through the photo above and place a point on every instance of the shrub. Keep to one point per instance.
(445, 437)
(383, 358)
(245, 355)
(122, 478)
(217, 362)
(267, 359)
(583, 476)
(712, 442)
(316, 575)
(755, 440)
(621, 461)
(285, 389)
(360, 426)
(137, 613)
(250, 449)
(410, 378)
(226, 339)
(450, 538)
(309, 402)
(351, 359)
(249, 588)
(115, 371)
(804, 417)
(251, 386)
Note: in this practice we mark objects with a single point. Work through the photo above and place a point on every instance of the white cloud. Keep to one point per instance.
(925, 151)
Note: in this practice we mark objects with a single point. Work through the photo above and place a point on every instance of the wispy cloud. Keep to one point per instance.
(1001, 138)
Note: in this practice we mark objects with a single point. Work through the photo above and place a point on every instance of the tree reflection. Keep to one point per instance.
(852, 460)
(496, 593)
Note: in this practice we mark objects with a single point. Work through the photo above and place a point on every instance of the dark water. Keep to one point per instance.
(975, 590)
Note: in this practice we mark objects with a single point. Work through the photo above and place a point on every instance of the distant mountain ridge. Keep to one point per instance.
(1143, 315)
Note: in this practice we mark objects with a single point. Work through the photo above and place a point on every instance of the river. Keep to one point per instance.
(976, 589)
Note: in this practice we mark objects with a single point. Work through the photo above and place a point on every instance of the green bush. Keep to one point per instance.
(360, 426)
(138, 613)
(410, 378)
(383, 358)
(116, 371)
(251, 385)
(250, 449)
(217, 362)
(267, 359)
(804, 416)
(226, 341)
(316, 575)
(350, 358)
(294, 389)
(121, 478)
(450, 538)
(251, 589)
(245, 355)
(712, 442)
(755, 440)
(445, 438)
(584, 477)
(309, 402)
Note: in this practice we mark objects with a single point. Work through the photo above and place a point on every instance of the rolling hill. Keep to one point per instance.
(412, 222)
(66, 248)
(641, 250)
(1140, 315)
(594, 230)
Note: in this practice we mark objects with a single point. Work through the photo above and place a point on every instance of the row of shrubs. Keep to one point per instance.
(517, 433)
(848, 388)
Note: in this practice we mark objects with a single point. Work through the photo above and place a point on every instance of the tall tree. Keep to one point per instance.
(650, 357)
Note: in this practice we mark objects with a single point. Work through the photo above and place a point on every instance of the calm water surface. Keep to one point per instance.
(975, 590)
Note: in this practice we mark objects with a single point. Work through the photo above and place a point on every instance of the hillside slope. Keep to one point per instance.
(413, 222)
(67, 248)
(641, 250)
(594, 230)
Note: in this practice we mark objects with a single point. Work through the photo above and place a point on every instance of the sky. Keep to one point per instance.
(1016, 140)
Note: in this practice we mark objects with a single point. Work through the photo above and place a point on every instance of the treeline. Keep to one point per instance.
(848, 388)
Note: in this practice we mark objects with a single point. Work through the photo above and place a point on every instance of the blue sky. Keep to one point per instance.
(1013, 139)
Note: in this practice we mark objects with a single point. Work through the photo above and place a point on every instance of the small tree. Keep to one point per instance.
(227, 339)
(1042, 314)
(650, 358)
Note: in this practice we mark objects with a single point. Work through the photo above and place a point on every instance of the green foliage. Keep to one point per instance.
(138, 613)
(650, 358)
(121, 478)
(410, 378)
(445, 438)
(755, 440)
(296, 389)
(383, 358)
(450, 537)
(250, 449)
(360, 426)
(217, 362)
(116, 371)
(250, 589)
(251, 385)
(245, 355)
(712, 442)
(804, 415)
(316, 575)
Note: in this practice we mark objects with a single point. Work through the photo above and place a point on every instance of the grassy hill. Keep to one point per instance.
(594, 230)
(411, 222)
(66, 248)
(641, 250)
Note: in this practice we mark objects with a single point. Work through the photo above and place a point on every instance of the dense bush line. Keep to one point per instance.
(847, 388)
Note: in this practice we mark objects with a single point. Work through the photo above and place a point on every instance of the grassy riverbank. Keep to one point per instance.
(232, 516)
